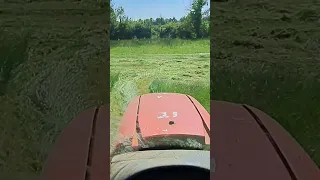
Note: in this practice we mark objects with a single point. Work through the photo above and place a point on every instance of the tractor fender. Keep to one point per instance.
(249, 144)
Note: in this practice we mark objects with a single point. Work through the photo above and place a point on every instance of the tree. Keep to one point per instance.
(196, 15)
(113, 22)
(120, 14)
(194, 25)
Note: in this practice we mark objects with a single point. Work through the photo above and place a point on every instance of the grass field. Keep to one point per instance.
(267, 54)
(158, 65)
(52, 66)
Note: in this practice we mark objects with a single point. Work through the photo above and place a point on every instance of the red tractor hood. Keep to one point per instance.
(170, 120)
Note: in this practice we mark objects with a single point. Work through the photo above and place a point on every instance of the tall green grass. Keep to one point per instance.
(198, 91)
(159, 46)
(113, 79)
(291, 99)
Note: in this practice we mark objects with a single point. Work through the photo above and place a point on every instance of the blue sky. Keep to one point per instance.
(143, 9)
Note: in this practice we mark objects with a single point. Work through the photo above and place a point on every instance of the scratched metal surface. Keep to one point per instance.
(163, 120)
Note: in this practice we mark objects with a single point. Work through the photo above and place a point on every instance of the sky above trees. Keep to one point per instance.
(144, 9)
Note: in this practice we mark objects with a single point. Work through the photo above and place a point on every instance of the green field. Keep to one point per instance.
(267, 54)
(52, 67)
(157, 65)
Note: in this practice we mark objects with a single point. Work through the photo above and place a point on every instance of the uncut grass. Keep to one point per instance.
(159, 46)
(113, 80)
(198, 91)
(266, 54)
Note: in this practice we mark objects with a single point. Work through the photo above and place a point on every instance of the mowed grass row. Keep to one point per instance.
(158, 65)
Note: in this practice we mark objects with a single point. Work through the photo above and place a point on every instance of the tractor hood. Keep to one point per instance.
(164, 121)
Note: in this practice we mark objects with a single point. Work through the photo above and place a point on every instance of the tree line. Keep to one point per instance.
(194, 25)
